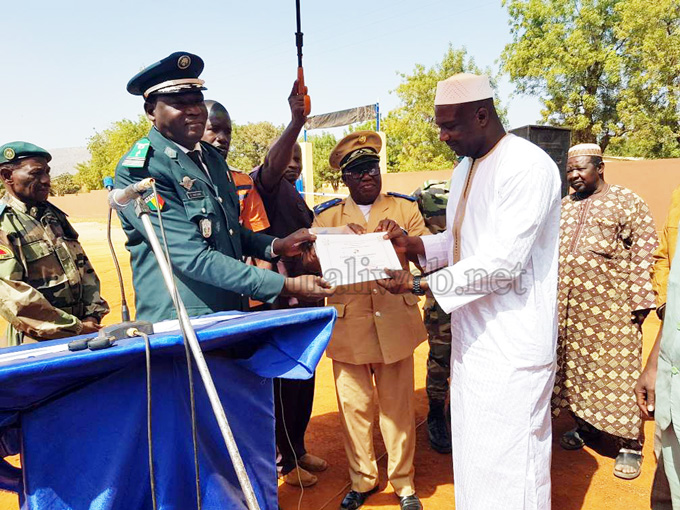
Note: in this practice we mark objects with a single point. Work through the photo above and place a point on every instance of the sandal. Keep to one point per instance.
(299, 477)
(575, 439)
(312, 463)
(628, 458)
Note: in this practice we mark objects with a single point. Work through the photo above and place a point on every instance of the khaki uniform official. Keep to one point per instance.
(372, 349)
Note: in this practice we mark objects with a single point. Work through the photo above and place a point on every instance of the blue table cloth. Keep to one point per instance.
(80, 417)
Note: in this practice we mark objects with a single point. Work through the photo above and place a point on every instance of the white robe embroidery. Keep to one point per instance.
(502, 295)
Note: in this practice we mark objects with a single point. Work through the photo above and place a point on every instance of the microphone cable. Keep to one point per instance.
(124, 310)
(187, 351)
(149, 430)
(290, 443)
(132, 332)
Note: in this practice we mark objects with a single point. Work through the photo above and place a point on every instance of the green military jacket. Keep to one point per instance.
(206, 242)
(432, 198)
(47, 284)
(667, 406)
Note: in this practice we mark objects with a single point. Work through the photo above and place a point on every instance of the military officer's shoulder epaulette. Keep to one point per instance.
(326, 205)
(138, 155)
(401, 195)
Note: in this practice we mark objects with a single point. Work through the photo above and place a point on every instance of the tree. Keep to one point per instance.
(412, 136)
(249, 146)
(598, 68)
(106, 148)
(250, 143)
(64, 184)
(322, 146)
(649, 107)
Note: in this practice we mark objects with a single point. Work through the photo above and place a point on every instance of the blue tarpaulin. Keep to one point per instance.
(82, 415)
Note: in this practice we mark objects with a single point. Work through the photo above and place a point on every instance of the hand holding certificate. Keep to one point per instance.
(348, 258)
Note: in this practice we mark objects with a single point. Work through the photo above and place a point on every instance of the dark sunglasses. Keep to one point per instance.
(358, 174)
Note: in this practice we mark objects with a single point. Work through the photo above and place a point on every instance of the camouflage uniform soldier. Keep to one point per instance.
(48, 288)
(432, 199)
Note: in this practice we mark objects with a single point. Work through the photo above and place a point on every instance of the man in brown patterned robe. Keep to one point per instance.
(605, 293)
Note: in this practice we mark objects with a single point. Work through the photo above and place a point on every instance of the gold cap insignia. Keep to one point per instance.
(9, 153)
(362, 139)
(184, 61)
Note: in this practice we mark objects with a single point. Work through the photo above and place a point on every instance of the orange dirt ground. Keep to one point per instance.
(581, 479)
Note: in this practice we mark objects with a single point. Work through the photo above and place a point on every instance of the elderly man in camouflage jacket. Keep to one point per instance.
(48, 288)
(432, 199)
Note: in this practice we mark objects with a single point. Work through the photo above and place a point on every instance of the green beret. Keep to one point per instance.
(14, 151)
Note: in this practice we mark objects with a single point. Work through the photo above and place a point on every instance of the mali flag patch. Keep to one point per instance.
(5, 252)
(155, 202)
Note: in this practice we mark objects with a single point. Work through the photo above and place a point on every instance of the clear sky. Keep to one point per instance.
(65, 64)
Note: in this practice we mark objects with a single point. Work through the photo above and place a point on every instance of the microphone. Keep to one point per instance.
(108, 183)
(120, 198)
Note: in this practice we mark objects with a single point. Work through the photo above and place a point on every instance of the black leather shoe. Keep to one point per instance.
(410, 503)
(355, 499)
(438, 432)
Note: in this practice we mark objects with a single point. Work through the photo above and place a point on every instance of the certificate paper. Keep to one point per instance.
(351, 258)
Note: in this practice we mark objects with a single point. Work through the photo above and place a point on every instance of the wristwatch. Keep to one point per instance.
(417, 290)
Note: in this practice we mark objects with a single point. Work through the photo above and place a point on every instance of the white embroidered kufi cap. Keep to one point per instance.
(463, 88)
(585, 149)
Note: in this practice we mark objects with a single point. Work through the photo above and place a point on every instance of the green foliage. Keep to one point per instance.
(648, 106)
(250, 143)
(412, 136)
(2, 190)
(322, 145)
(368, 125)
(249, 146)
(106, 148)
(64, 184)
(605, 68)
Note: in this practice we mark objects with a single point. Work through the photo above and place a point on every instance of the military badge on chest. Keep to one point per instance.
(206, 227)
(192, 194)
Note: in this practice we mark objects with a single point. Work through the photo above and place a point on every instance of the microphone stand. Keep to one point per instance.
(143, 212)
(124, 310)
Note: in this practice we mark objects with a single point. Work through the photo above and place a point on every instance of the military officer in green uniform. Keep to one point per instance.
(432, 199)
(199, 207)
(48, 288)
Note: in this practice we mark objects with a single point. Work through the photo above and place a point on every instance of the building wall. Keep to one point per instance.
(653, 180)
(408, 182)
(92, 205)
